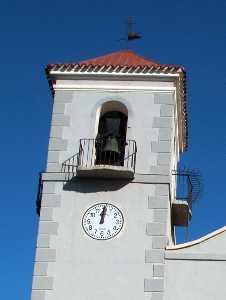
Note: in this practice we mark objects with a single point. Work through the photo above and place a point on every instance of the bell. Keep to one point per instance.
(111, 145)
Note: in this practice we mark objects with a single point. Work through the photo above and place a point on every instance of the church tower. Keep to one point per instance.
(107, 200)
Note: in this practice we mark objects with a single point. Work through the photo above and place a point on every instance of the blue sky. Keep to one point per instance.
(34, 33)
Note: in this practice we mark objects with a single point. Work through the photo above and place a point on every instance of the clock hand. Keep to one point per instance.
(103, 214)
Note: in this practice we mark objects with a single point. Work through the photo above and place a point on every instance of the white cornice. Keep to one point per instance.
(111, 88)
(83, 74)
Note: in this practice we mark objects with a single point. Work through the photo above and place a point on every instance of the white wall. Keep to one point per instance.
(197, 270)
(189, 280)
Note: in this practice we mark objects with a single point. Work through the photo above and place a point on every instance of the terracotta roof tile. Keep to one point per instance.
(120, 58)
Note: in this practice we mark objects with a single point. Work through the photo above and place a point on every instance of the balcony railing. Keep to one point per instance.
(111, 157)
(107, 151)
(184, 187)
(188, 191)
(70, 165)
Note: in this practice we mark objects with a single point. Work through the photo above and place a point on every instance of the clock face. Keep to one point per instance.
(102, 221)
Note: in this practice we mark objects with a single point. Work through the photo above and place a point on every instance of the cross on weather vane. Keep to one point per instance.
(131, 34)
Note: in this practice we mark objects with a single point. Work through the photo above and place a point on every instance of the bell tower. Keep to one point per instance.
(107, 200)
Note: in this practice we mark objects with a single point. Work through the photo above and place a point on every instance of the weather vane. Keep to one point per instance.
(132, 35)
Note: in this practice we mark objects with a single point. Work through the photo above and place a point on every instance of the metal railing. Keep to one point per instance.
(188, 186)
(109, 151)
(70, 165)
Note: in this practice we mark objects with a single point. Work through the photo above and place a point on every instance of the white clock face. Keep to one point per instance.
(102, 221)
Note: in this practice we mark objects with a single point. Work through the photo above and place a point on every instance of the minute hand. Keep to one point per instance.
(103, 214)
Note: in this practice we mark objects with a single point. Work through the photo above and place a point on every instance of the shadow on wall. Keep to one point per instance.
(95, 185)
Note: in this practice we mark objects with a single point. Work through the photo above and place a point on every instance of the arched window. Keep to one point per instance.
(111, 136)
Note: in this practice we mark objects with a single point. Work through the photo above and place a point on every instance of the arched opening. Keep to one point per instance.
(111, 136)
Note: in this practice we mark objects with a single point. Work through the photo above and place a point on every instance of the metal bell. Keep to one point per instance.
(111, 145)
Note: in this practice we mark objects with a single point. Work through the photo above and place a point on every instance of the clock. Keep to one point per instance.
(102, 221)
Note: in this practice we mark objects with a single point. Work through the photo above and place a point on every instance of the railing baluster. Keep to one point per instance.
(91, 162)
(91, 152)
(83, 150)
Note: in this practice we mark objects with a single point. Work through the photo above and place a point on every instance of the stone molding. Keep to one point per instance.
(60, 120)
(155, 256)
(45, 254)
(169, 255)
(164, 123)
(138, 177)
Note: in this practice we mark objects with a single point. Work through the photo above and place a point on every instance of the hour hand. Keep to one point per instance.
(103, 214)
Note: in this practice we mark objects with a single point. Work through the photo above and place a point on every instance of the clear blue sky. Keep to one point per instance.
(34, 33)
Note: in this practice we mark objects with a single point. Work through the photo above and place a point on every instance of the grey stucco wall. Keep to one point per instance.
(69, 264)
(74, 265)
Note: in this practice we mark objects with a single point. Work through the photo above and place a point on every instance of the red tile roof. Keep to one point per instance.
(120, 58)
(125, 61)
